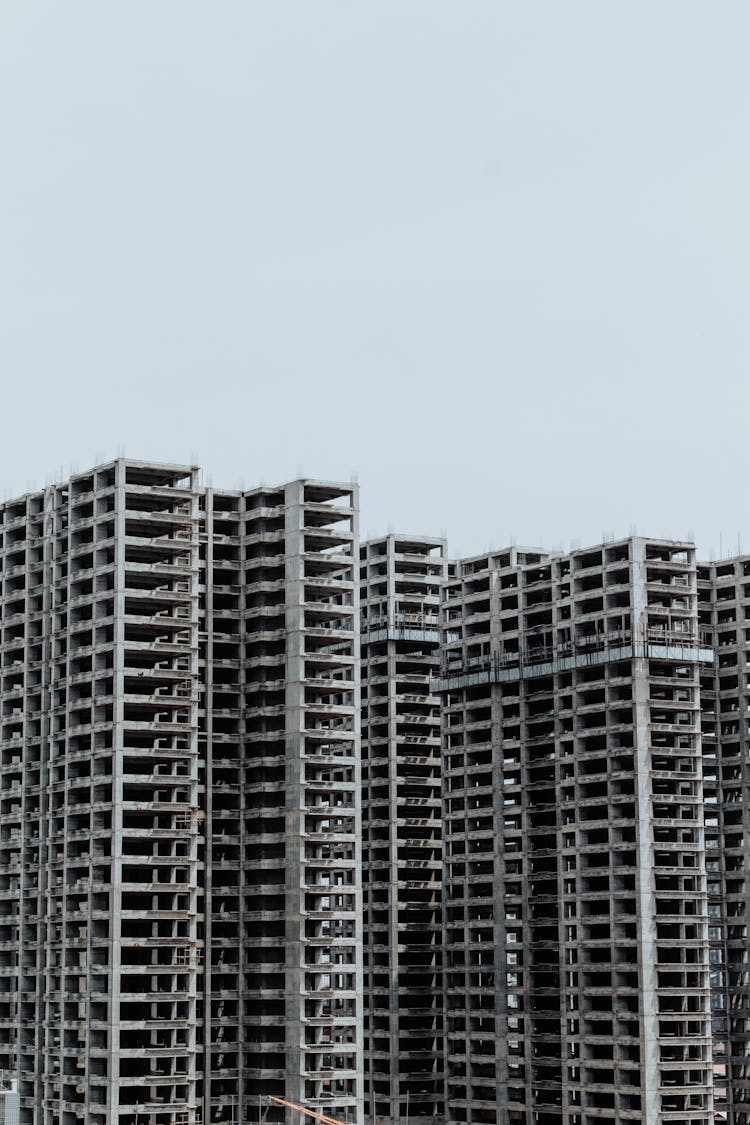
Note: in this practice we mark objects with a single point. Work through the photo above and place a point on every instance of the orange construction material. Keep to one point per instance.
(309, 1112)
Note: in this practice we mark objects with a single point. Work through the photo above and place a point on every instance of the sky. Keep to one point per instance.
(491, 258)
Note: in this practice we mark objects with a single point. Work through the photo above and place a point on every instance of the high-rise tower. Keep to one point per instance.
(100, 797)
(400, 580)
(576, 925)
(280, 741)
(179, 813)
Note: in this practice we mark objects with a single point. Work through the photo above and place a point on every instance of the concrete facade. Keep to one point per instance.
(518, 894)
(576, 926)
(99, 797)
(281, 725)
(400, 578)
(178, 773)
(724, 604)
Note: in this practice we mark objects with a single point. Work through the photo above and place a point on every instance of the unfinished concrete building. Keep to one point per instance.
(576, 926)
(99, 794)
(724, 603)
(178, 766)
(400, 581)
(280, 730)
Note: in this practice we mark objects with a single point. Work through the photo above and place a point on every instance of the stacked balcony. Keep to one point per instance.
(572, 739)
(724, 594)
(399, 582)
(100, 695)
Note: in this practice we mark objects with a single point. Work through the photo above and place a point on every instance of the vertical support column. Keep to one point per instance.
(243, 1100)
(294, 982)
(649, 1020)
(60, 921)
(356, 671)
(394, 967)
(198, 839)
(208, 688)
(118, 662)
(44, 822)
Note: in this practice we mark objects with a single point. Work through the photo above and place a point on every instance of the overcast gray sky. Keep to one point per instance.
(493, 257)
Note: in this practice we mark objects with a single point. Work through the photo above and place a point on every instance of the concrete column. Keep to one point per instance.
(295, 792)
(113, 1000)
